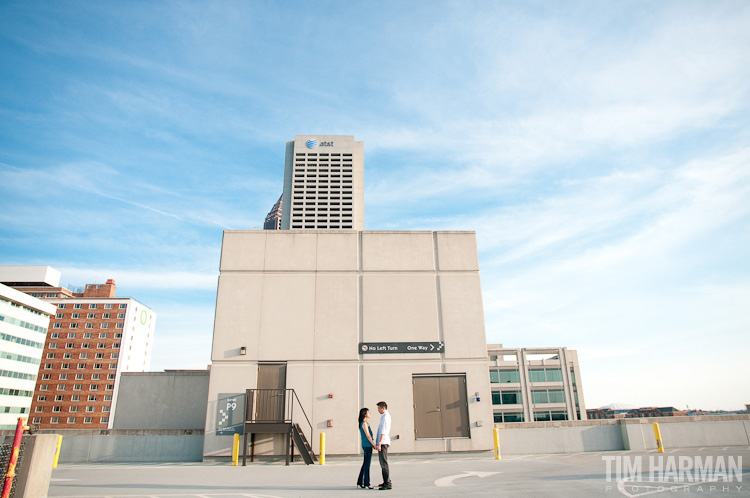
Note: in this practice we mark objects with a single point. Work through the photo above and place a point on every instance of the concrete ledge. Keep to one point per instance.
(623, 434)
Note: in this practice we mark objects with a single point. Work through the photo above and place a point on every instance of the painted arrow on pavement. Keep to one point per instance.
(448, 480)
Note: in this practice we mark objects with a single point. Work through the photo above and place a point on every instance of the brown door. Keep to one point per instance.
(271, 398)
(440, 407)
(454, 406)
(427, 423)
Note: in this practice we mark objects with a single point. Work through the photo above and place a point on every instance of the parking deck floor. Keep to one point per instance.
(434, 475)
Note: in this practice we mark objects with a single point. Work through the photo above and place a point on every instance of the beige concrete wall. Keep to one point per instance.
(310, 297)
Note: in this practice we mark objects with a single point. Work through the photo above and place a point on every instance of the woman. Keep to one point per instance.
(365, 434)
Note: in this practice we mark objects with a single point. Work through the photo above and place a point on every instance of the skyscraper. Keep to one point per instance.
(323, 183)
(273, 218)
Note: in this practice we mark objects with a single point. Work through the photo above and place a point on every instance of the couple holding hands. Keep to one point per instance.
(381, 443)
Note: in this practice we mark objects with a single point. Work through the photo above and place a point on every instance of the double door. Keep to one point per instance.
(441, 408)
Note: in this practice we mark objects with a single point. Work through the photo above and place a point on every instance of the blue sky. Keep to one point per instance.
(601, 150)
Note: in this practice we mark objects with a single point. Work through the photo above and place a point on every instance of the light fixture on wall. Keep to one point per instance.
(243, 350)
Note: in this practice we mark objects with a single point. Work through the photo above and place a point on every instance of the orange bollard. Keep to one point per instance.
(14, 457)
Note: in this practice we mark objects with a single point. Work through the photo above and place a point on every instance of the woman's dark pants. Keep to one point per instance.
(364, 473)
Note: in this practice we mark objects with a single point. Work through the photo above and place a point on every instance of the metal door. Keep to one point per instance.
(427, 420)
(271, 399)
(454, 406)
(441, 409)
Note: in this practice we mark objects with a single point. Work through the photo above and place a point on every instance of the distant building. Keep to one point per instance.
(323, 183)
(600, 413)
(23, 329)
(535, 384)
(93, 338)
(652, 411)
(273, 219)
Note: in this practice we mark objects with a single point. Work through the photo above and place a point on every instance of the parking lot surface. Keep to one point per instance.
(445, 474)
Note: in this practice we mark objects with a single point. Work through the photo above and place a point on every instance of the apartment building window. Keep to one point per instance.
(83, 356)
(67, 356)
(65, 366)
(77, 306)
(48, 366)
(541, 396)
(504, 376)
(112, 366)
(105, 409)
(73, 326)
(75, 316)
(71, 420)
(37, 420)
(71, 335)
(89, 409)
(100, 345)
(107, 397)
(106, 316)
(108, 306)
(59, 397)
(501, 417)
(61, 387)
(75, 397)
(58, 315)
(114, 356)
(81, 366)
(50, 356)
(545, 375)
(88, 420)
(104, 420)
(120, 326)
(61, 306)
(89, 325)
(46, 376)
(123, 306)
(93, 306)
(99, 356)
(95, 376)
(77, 387)
(38, 409)
(52, 345)
(91, 315)
(110, 387)
(87, 335)
(56, 409)
(73, 409)
(57, 326)
(54, 420)
(97, 366)
(85, 345)
(110, 376)
(79, 376)
(105, 326)
(546, 416)
(63, 376)
(94, 387)
(41, 397)
(121, 316)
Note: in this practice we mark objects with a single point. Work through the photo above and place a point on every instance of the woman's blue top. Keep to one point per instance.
(365, 441)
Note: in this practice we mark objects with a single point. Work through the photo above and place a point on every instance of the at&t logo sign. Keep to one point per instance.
(313, 144)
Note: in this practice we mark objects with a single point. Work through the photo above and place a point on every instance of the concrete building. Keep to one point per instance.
(273, 218)
(347, 319)
(535, 384)
(323, 183)
(93, 338)
(24, 321)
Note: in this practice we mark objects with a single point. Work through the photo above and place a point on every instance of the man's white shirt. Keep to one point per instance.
(384, 429)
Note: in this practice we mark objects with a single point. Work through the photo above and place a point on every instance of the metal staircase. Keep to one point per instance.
(272, 411)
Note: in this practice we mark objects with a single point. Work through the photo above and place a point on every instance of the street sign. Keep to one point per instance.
(230, 414)
(401, 347)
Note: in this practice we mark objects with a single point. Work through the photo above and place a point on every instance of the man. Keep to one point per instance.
(383, 440)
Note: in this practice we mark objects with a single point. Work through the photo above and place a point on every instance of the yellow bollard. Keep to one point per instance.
(659, 442)
(57, 453)
(236, 450)
(496, 436)
(322, 448)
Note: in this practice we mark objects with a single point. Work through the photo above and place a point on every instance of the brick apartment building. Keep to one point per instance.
(92, 338)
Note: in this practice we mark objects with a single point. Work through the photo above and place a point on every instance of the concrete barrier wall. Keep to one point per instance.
(623, 434)
(79, 446)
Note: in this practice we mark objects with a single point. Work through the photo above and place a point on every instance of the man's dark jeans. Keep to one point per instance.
(383, 457)
(364, 473)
